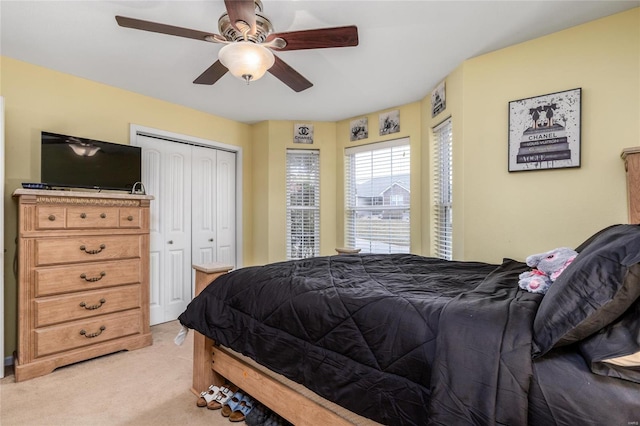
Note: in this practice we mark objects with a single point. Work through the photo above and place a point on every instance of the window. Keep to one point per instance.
(442, 190)
(397, 200)
(377, 197)
(303, 203)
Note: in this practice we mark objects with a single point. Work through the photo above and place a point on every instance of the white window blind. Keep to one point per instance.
(303, 203)
(442, 190)
(377, 197)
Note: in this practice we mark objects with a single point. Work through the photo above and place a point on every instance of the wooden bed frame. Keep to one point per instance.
(631, 157)
(217, 365)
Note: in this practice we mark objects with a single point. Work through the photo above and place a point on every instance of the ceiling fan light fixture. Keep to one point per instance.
(246, 60)
(84, 149)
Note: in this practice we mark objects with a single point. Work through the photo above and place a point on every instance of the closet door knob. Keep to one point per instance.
(170, 242)
(210, 240)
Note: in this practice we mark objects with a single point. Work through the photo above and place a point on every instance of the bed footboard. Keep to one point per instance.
(203, 374)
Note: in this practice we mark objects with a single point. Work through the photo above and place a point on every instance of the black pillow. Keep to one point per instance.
(588, 241)
(598, 287)
(618, 339)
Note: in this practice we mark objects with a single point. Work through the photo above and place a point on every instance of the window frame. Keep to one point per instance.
(373, 223)
(442, 190)
(306, 208)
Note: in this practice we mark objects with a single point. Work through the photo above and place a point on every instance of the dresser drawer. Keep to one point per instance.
(87, 276)
(50, 217)
(130, 217)
(54, 310)
(64, 337)
(92, 217)
(51, 251)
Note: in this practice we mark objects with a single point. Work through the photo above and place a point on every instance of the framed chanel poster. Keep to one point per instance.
(303, 133)
(544, 131)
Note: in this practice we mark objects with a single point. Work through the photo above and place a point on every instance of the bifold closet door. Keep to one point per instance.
(166, 169)
(226, 208)
(213, 206)
(204, 200)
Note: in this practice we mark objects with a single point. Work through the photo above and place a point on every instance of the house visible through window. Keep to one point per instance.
(377, 197)
(303, 203)
(442, 190)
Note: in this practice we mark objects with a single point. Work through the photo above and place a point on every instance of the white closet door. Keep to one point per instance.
(213, 206)
(167, 176)
(226, 208)
(177, 213)
(204, 200)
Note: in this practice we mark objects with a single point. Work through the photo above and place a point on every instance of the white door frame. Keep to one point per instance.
(136, 130)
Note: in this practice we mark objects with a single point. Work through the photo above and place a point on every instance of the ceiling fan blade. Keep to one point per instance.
(242, 10)
(212, 74)
(289, 76)
(155, 27)
(317, 39)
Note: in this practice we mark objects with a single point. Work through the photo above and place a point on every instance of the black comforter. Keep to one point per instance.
(401, 339)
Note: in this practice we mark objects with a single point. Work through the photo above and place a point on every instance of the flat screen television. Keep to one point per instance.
(73, 162)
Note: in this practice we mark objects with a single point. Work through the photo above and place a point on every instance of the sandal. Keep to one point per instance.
(230, 406)
(242, 409)
(223, 395)
(258, 416)
(207, 396)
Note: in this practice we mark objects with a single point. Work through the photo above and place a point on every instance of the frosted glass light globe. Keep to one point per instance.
(246, 60)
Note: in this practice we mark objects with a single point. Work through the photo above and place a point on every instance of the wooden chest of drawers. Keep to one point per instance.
(83, 286)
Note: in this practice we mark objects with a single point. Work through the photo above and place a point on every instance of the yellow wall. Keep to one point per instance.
(271, 141)
(39, 99)
(260, 168)
(517, 214)
(454, 101)
(500, 214)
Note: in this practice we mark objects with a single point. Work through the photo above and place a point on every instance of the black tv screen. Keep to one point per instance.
(69, 161)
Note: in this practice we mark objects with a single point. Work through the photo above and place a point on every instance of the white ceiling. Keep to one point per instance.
(406, 48)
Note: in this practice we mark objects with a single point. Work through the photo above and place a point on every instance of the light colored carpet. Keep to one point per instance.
(148, 386)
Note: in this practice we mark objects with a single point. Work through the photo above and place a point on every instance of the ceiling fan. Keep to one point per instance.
(249, 40)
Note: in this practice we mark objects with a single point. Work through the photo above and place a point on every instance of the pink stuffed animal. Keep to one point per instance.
(549, 266)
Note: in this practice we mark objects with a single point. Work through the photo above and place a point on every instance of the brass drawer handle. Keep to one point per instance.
(84, 215)
(92, 335)
(93, 279)
(130, 218)
(52, 217)
(84, 249)
(92, 307)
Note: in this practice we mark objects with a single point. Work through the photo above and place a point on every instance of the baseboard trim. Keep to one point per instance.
(8, 361)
